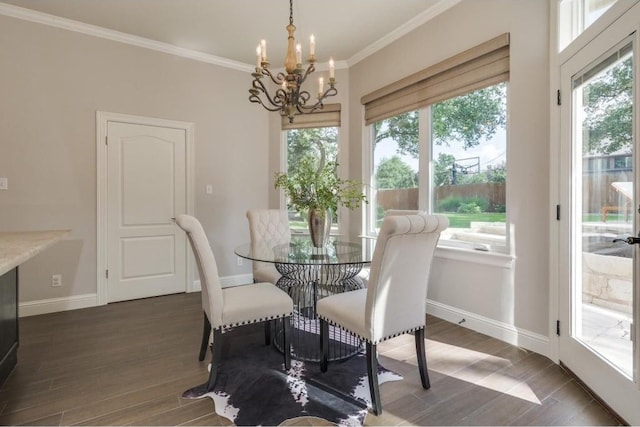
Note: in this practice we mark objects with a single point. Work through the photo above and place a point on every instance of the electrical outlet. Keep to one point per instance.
(239, 261)
(209, 189)
(56, 280)
(4, 183)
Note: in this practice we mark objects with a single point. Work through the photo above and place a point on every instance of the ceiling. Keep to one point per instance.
(347, 30)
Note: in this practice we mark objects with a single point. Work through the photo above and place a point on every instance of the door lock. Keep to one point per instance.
(629, 240)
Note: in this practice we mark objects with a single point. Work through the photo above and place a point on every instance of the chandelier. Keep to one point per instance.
(289, 98)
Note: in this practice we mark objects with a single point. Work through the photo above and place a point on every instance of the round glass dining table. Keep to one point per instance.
(308, 274)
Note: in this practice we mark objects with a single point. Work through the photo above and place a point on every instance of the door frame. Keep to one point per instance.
(102, 121)
(607, 39)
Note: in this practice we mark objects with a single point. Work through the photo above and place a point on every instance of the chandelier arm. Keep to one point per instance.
(278, 101)
(277, 79)
(331, 91)
(306, 109)
(303, 108)
(257, 100)
(310, 69)
(303, 97)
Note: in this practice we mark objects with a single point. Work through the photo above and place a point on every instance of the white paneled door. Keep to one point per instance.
(146, 188)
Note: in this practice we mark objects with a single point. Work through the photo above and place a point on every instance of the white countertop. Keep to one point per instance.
(18, 247)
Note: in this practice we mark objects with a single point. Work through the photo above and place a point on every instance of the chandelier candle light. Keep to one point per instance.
(289, 99)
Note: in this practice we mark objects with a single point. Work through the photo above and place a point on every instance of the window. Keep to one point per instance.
(309, 136)
(469, 158)
(466, 149)
(577, 15)
(395, 164)
(438, 144)
(309, 142)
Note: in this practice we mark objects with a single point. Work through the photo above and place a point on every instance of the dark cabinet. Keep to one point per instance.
(8, 323)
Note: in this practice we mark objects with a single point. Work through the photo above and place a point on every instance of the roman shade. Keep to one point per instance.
(481, 66)
(329, 116)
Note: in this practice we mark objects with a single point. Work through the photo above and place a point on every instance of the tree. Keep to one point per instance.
(497, 173)
(470, 117)
(403, 129)
(442, 169)
(443, 173)
(608, 106)
(394, 173)
(303, 143)
(472, 178)
(466, 118)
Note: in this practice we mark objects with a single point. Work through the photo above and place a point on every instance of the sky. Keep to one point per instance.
(491, 152)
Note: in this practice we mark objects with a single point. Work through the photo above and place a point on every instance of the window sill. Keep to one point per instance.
(478, 257)
(467, 254)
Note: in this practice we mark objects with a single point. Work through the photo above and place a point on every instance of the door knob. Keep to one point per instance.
(629, 240)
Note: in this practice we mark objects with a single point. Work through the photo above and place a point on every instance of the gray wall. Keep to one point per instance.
(519, 296)
(53, 81)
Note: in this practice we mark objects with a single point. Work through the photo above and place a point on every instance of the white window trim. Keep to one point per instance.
(448, 249)
(367, 177)
(581, 40)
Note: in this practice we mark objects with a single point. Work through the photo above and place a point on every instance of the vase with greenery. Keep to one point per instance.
(315, 189)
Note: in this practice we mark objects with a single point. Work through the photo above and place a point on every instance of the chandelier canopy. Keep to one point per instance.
(289, 98)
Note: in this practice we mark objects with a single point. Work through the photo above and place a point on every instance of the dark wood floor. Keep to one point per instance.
(128, 363)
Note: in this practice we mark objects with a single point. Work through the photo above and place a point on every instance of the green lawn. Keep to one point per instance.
(611, 217)
(460, 220)
(298, 225)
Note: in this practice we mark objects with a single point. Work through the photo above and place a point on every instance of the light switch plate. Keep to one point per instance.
(4, 183)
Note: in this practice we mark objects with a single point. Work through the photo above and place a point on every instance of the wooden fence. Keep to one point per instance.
(401, 198)
(597, 193)
(407, 198)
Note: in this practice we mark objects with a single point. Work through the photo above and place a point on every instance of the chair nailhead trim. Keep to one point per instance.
(248, 322)
(406, 331)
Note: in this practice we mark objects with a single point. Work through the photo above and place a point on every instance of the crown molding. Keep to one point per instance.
(404, 29)
(117, 36)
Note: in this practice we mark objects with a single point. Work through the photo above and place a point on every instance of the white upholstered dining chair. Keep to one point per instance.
(233, 306)
(395, 300)
(366, 271)
(267, 225)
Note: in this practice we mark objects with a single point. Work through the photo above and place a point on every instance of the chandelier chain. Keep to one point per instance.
(290, 12)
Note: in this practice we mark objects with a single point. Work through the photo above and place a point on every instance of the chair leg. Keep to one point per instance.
(216, 353)
(267, 331)
(372, 373)
(206, 332)
(422, 360)
(324, 345)
(286, 338)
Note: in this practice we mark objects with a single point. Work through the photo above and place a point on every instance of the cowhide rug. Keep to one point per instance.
(254, 389)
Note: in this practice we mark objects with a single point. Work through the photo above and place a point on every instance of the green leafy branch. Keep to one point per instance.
(312, 186)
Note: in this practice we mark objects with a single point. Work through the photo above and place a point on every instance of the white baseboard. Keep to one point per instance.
(496, 329)
(75, 302)
(499, 330)
(53, 305)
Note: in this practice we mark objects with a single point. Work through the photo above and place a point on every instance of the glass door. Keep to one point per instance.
(599, 286)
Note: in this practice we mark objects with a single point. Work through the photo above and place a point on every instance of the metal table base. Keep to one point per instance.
(306, 284)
